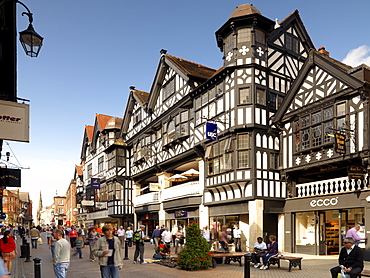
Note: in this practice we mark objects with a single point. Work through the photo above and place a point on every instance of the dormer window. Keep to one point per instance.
(169, 88)
(137, 116)
(292, 43)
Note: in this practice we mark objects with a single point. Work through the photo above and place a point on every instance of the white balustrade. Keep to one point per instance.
(182, 190)
(343, 184)
(147, 198)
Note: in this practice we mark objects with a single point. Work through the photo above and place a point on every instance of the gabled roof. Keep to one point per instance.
(189, 68)
(24, 196)
(286, 23)
(89, 130)
(330, 65)
(141, 96)
(79, 170)
(102, 121)
(191, 72)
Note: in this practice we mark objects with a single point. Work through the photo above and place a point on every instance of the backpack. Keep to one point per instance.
(136, 237)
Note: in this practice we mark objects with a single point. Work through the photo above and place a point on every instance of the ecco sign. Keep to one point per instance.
(324, 202)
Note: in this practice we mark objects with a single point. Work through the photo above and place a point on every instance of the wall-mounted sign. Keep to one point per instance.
(95, 183)
(154, 186)
(211, 131)
(14, 121)
(10, 177)
(324, 202)
(87, 203)
(181, 214)
(356, 172)
(340, 143)
(101, 205)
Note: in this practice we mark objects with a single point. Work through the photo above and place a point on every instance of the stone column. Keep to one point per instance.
(255, 209)
(163, 184)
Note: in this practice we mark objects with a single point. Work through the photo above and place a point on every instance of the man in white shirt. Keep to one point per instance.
(237, 233)
(121, 236)
(62, 254)
(259, 249)
(166, 237)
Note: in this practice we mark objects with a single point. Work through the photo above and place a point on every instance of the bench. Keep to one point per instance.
(293, 261)
(231, 256)
(364, 273)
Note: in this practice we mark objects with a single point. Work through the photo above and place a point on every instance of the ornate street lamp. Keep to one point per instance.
(31, 41)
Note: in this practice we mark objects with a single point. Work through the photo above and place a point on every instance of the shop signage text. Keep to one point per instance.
(324, 202)
(340, 143)
(181, 213)
(10, 177)
(95, 183)
(356, 172)
(211, 131)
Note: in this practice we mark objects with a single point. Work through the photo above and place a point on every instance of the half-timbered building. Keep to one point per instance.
(239, 180)
(103, 157)
(324, 121)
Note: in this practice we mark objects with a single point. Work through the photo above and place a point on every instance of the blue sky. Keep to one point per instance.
(94, 50)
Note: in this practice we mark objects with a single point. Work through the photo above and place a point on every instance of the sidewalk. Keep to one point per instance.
(312, 266)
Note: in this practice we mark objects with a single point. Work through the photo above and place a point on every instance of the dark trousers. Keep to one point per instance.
(353, 273)
(34, 243)
(139, 249)
(256, 258)
(79, 252)
(266, 257)
(73, 241)
(237, 245)
(129, 241)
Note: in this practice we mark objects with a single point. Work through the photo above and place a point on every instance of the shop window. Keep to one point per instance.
(305, 231)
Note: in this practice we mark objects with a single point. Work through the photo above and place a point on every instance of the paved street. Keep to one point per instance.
(312, 266)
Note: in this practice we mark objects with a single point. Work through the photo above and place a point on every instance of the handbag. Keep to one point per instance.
(39, 240)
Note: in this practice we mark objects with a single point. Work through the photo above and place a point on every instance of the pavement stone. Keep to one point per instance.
(312, 266)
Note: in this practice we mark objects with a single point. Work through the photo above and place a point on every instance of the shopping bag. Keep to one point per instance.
(39, 241)
(343, 275)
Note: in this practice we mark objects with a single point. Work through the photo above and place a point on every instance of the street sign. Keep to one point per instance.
(10, 177)
(211, 131)
(95, 183)
(340, 143)
(3, 215)
(356, 172)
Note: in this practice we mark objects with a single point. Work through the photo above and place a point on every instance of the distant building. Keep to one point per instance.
(59, 210)
(71, 210)
(26, 208)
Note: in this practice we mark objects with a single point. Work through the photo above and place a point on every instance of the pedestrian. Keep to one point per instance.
(8, 250)
(62, 253)
(51, 243)
(98, 230)
(237, 234)
(156, 236)
(82, 232)
(166, 237)
(259, 249)
(139, 244)
(206, 233)
(34, 234)
(78, 247)
(121, 235)
(353, 234)
(109, 251)
(73, 236)
(173, 233)
(48, 235)
(179, 239)
(92, 237)
(351, 259)
(273, 252)
(129, 233)
(21, 231)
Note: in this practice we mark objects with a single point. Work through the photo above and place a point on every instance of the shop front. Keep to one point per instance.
(147, 215)
(101, 219)
(318, 225)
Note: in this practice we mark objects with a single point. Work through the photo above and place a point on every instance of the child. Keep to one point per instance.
(78, 247)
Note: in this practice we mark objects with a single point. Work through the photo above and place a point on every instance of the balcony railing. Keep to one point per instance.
(182, 190)
(343, 184)
(145, 199)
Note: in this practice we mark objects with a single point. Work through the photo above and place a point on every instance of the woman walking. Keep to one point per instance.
(93, 237)
(73, 236)
(129, 236)
(7, 247)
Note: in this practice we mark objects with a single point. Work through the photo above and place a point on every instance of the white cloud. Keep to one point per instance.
(358, 56)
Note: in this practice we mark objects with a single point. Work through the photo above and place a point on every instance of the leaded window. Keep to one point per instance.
(243, 150)
(169, 88)
(244, 96)
(220, 156)
(244, 35)
(261, 96)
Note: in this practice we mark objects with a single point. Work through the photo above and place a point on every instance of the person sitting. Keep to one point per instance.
(259, 249)
(162, 251)
(351, 259)
(272, 252)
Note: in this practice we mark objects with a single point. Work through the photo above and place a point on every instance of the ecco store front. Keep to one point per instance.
(318, 225)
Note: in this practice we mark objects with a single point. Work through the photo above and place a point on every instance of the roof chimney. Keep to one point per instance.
(323, 51)
(132, 88)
